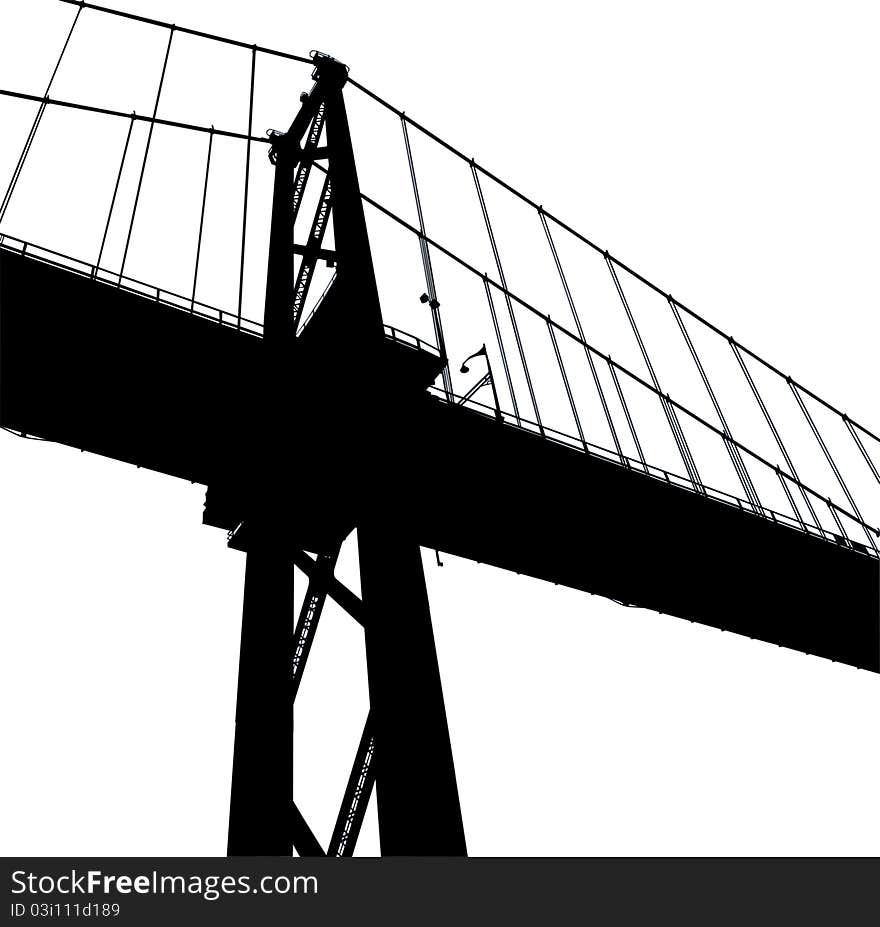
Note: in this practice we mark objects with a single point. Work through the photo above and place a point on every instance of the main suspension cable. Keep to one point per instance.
(198, 33)
(104, 111)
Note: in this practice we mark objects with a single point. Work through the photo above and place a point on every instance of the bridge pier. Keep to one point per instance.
(416, 790)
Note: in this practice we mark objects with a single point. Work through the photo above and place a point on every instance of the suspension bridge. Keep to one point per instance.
(637, 451)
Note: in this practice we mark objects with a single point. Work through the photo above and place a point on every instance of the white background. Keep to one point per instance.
(729, 155)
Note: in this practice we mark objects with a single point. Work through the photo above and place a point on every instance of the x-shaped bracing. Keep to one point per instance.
(323, 584)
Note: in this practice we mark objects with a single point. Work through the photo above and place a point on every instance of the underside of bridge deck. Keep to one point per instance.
(118, 374)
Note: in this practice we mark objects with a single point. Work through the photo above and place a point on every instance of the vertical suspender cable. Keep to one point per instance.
(564, 281)
(838, 522)
(137, 195)
(36, 123)
(681, 442)
(247, 173)
(608, 417)
(671, 418)
(577, 321)
(783, 480)
(562, 278)
(25, 151)
(506, 292)
(734, 454)
(568, 392)
(501, 346)
(426, 263)
(115, 192)
(774, 431)
(849, 425)
(192, 302)
(625, 407)
(828, 457)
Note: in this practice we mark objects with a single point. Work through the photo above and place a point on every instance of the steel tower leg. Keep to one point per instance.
(260, 812)
(416, 790)
(262, 818)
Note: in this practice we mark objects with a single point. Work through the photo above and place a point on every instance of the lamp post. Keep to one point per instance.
(488, 378)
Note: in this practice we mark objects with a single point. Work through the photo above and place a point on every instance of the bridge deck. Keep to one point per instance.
(119, 374)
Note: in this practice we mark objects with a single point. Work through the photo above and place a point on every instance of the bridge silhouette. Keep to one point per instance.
(636, 451)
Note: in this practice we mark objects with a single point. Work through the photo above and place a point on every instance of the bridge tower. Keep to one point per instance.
(405, 747)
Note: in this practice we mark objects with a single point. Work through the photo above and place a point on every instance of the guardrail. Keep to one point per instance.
(129, 284)
(658, 473)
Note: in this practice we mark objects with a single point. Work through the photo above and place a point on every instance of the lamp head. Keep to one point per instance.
(464, 366)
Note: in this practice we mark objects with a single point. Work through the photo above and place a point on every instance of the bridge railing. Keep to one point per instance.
(849, 529)
(127, 284)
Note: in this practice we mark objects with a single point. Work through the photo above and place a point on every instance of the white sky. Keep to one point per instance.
(728, 157)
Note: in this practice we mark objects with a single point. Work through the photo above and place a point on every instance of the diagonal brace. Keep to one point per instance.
(309, 616)
(357, 795)
(304, 841)
(340, 593)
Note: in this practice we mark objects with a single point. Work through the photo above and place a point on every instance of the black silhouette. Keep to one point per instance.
(559, 510)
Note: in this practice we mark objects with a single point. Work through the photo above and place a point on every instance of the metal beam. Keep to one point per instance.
(304, 841)
(309, 616)
(323, 254)
(357, 795)
(340, 594)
